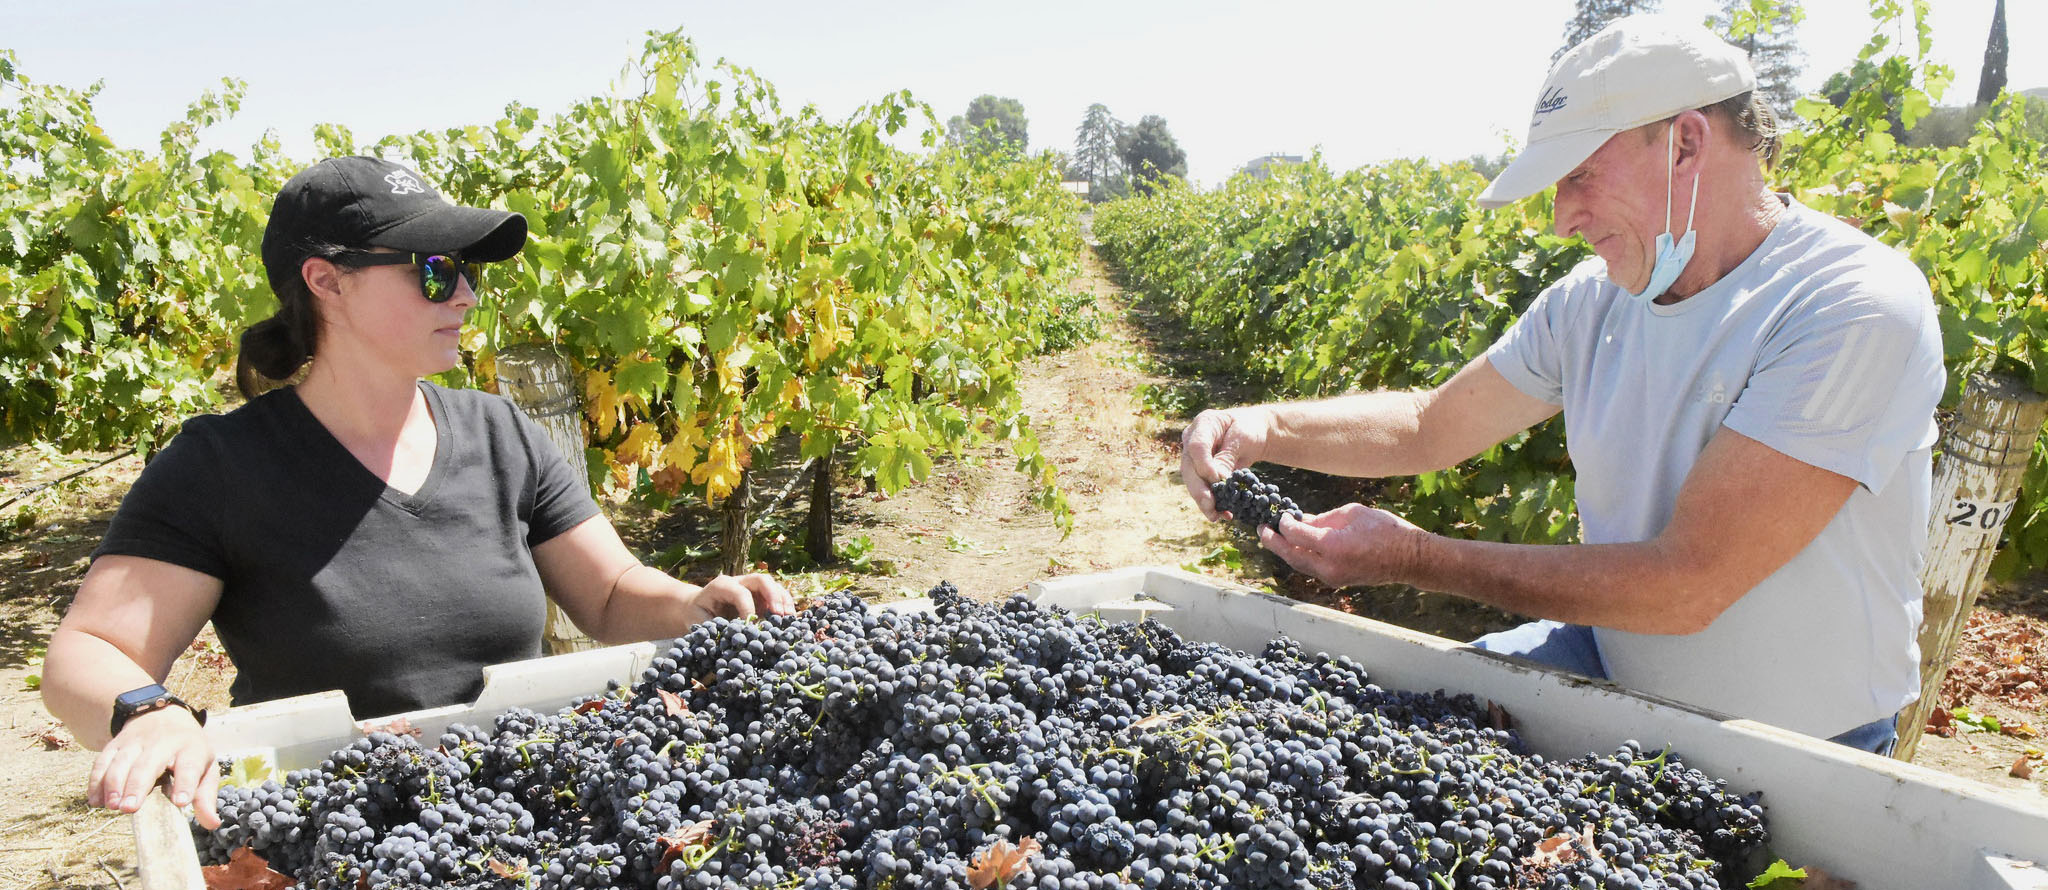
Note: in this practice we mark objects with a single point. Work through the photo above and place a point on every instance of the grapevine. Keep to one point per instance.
(722, 272)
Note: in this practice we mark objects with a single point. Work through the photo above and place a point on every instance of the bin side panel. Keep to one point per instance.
(1867, 818)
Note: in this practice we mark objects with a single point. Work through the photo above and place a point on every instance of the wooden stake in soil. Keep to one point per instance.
(539, 381)
(1976, 483)
(164, 856)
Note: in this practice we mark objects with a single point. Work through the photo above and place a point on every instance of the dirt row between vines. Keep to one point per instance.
(1109, 413)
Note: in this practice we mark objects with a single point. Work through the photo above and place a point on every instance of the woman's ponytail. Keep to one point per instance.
(274, 349)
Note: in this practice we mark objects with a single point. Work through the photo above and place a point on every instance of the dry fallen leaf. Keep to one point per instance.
(2021, 769)
(1498, 717)
(1819, 879)
(1158, 720)
(1941, 723)
(673, 703)
(53, 737)
(595, 704)
(245, 871)
(999, 863)
(696, 834)
(400, 726)
(514, 872)
(1564, 847)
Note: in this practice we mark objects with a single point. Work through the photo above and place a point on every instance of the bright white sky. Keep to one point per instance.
(1364, 80)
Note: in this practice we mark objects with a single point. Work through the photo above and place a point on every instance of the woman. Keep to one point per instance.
(363, 529)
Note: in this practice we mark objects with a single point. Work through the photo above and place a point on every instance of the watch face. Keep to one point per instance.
(138, 697)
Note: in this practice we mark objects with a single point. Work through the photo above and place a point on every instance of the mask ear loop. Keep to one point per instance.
(1671, 172)
(1692, 204)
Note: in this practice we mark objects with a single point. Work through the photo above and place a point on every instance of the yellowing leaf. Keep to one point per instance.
(672, 466)
(720, 471)
(249, 772)
(731, 367)
(640, 445)
(681, 452)
(487, 370)
(826, 334)
(601, 399)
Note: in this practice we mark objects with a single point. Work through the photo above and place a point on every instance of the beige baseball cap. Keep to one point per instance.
(1638, 70)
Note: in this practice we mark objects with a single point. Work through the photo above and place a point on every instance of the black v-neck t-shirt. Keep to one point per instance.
(332, 579)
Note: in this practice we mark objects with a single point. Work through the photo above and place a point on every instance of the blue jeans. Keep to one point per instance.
(1573, 648)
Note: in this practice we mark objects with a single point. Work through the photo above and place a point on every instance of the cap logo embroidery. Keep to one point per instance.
(403, 183)
(1553, 100)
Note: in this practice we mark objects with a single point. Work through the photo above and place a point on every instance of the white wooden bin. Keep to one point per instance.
(1884, 824)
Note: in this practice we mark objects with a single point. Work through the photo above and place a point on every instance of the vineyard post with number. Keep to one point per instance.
(1976, 485)
(539, 381)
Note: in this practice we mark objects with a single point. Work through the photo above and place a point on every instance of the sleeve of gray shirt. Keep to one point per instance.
(1532, 354)
(1848, 385)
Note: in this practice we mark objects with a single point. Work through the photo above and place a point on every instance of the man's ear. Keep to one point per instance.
(1692, 130)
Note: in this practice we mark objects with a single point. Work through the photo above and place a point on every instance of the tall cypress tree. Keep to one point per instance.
(1995, 49)
(1095, 152)
(1589, 16)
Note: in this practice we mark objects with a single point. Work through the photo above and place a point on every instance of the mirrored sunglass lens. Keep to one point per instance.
(437, 278)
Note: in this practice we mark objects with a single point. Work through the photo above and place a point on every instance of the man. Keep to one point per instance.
(1748, 390)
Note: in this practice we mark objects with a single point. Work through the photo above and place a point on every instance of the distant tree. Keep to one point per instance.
(1151, 154)
(1764, 29)
(1951, 125)
(992, 123)
(1490, 166)
(1995, 49)
(1589, 16)
(1095, 152)
(1861, 76)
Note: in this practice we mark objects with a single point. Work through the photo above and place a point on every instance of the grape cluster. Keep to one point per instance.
(1251, 502)
(847, 748)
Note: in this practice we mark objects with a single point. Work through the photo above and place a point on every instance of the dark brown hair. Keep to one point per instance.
(274, 349)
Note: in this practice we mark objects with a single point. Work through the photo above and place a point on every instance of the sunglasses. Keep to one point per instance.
(437, 272)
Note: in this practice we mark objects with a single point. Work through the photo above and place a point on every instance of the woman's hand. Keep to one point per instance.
(729, 596)
(164, 740)
(1216, 443)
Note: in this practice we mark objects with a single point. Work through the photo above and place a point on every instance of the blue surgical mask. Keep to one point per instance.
(1672, 257)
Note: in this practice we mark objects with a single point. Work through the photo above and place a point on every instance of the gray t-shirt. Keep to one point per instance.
(332, 579)
(1822, 345)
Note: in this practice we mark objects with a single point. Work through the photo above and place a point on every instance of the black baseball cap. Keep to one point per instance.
(371, 202)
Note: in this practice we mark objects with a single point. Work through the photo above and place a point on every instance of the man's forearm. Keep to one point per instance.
(1365, 434)
(1639, 587)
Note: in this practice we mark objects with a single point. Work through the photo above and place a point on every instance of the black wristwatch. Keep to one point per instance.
(149, 698)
